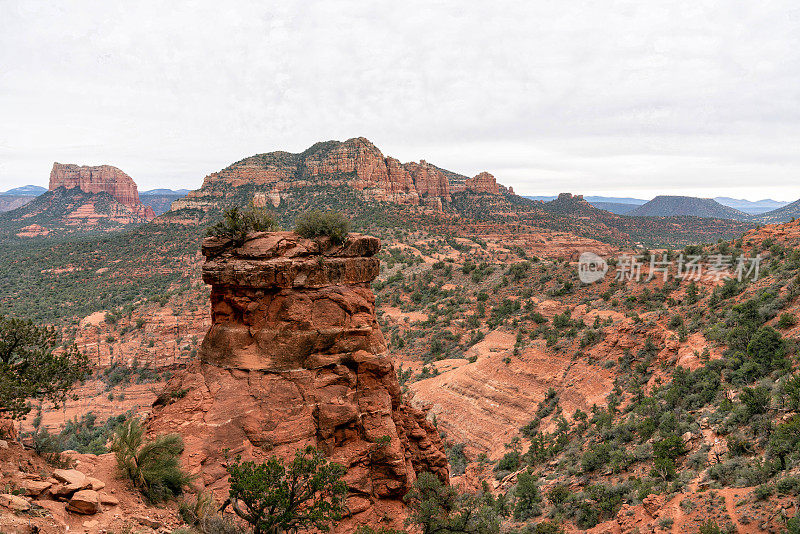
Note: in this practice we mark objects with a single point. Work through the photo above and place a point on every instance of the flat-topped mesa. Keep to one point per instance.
(294, 357)
(100, 179)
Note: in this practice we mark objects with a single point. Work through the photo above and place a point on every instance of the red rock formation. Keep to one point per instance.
(483, 183)
(103, 178)
(356, 163)
(295, 356)
(429, 180)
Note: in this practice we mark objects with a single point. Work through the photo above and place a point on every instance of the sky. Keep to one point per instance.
(631, 98)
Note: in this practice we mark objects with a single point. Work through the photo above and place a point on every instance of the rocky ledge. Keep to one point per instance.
(294, 357)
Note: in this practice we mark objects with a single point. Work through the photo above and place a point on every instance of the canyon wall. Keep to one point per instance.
(295, 357)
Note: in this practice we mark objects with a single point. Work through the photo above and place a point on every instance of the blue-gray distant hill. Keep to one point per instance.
(668, 206)
(26, 191)
(783, 214)
(19, 196)
(753, 207)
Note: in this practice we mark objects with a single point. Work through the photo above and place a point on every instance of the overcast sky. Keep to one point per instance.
(620, 98)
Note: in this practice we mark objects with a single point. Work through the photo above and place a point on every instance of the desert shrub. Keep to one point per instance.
(755, 400)
(740, 472)
(457, 458)
(599, 502)
(595, 457)
(767, 348)
(787, 320)
(316, 223)
(559, 494)
(790, 392)
(306, 494)
(152, 465)
(762, 492)
(509, 462)
(85, 436)
(788, 485)
(545, 527)
(528, 496)
(784, 442)
(237, 223)
(435, 507)
(204, 515)
(709, 527)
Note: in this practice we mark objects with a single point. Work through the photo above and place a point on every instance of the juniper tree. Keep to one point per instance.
(305, 495)
(33, 365)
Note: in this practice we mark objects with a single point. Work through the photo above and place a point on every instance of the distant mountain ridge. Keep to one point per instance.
(26, 190)
(11, 202)
(783, 214)
(669, 205)
(152, 192)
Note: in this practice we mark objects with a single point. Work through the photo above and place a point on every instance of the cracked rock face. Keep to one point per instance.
(294, 357)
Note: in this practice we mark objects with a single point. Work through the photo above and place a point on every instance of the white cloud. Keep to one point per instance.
(619, 97)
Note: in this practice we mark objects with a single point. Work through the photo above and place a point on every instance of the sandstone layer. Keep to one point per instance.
(356, 163)
(294, 357)
(99, 179)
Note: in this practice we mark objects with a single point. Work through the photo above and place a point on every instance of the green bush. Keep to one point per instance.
(595, 457)
(308, 493)
(32, 367)
(787, 320)
(784, 441)
(709, 527)
(237, 223)
(316, 223)
(528, 496)
(435, 507)
(153, 465)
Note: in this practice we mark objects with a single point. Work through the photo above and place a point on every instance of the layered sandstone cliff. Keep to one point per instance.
(356, 163)
(102, 178)
(294, 357)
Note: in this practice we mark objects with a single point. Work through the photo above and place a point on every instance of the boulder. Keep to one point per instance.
(35, 487)
(72, 479)
(95, 484)
(14, 502)
(108, 499)
(86, 502)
